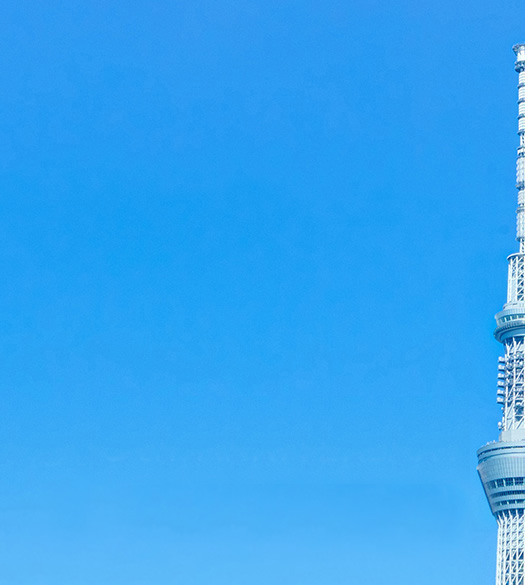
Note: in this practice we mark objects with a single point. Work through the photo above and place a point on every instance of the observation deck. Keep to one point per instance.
(510, 322)
(501, 467)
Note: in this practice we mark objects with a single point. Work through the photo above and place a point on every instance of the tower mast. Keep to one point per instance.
(520, 163)
(501, 464)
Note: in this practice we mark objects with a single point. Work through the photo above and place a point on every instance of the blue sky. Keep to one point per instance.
(250, 257)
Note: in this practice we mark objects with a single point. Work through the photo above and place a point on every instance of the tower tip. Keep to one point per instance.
(520, 57)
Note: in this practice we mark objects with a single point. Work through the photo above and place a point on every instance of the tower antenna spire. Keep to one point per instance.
(520, 163)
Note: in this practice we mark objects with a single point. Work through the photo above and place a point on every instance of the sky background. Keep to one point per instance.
(250, 254)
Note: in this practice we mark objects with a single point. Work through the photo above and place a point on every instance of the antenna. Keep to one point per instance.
(520, 163)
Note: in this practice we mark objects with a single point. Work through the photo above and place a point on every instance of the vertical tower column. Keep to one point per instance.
(520, 164)
(501, 464)
(511, 546)
(511, 371)
(510, 329)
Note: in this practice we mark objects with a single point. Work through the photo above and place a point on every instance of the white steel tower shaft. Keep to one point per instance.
(501, 464)
(520, 165)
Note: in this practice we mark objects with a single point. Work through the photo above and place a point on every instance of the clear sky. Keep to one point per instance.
(250, 254)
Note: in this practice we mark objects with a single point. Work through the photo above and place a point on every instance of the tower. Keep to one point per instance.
(501, 464)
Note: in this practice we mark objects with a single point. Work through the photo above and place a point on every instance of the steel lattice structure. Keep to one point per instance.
(501, 464)
(511, 529)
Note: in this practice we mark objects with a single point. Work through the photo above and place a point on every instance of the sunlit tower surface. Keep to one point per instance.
(501, 464)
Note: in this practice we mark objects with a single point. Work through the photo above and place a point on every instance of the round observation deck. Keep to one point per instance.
(501, 467)
(510, 322)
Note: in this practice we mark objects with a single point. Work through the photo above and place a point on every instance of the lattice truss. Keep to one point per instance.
(520, 164)
(516, 282)
(511, 387)
(510, 567)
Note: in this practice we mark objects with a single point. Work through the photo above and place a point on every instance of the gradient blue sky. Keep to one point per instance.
(250, 256)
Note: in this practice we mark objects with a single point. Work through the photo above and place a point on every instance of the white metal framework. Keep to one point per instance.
(510, 384)
(511, 548)
(516, 282)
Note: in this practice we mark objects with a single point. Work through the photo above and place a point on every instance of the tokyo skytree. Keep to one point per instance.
(501, 464)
